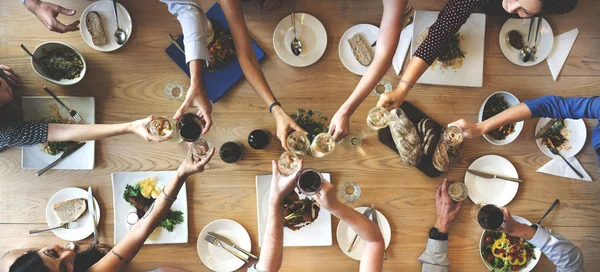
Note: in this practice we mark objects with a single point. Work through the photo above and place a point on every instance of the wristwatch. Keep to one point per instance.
(435, 234)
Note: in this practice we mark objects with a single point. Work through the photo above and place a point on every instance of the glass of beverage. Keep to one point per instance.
(231, 152)
(382, 87)
(298, 143)
(161, 127)
(378, 118)
(259, 139)
(458, 191)
(488, 216)
(200, 148)
(309, 181)
(351, 141)
(288, 163)
(189, 127)
(449, 149)
(322, 145)
(350, 191)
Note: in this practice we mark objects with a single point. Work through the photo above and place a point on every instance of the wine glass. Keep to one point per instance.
(378, 118)
(458, 191)
(189, 127)
(161, 127)
(488, 216)
(200, 148)
(322, 145)
(309, 182)
(288, 163)
(298, 143)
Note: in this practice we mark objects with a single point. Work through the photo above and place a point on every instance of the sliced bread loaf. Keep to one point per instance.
(70, 210)
(361, 51)
(94, 26)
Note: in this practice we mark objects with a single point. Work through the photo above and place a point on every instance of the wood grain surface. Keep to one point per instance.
(128, 84)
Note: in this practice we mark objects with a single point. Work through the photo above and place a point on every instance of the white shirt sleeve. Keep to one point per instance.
(193, 23)
(435, 257)
(565, 255)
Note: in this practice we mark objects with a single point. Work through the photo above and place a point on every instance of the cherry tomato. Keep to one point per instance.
(516, 268)
(490, 258)
(489, 240)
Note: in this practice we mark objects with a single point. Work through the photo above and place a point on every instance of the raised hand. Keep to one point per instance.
(470, 130)
(445, 208)
(196, 98)
(339, 127)
(47, 12)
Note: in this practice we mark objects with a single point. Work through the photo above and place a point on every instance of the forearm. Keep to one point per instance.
(272, 247)
(416, 67)
(85, 132)
(513, 114)
(197, 77)
(560, 251)
(362, 225)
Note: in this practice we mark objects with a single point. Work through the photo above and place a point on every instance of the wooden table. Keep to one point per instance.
(128, 84)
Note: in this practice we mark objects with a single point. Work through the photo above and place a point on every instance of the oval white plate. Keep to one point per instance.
(84, 228)
(543, 45)
(492, 191)
(576, 137)
(511, 100)
(107, 15)
(216, 258)
(530, 264)
(369, 34)
(309, 31)
(345, 235)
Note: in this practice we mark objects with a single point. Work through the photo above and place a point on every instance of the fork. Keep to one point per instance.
(555, 152)
(76, 117)
(214, 241)
(68, 225)
(366, 213)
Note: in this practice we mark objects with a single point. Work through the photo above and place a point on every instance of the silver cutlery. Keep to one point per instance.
(366, 213)
(228, 242)
(91, 207)
(556, 202)
(525, 52)
(374, 218)
(174, 41)
(407, 21)
(68, 225)
(492, 176)
(120, 34)
(545, 128)
(36, 60)
(537, 30)
(76, 117)
(65, 154)
(556, 152)
(296, 44)
(211, 239)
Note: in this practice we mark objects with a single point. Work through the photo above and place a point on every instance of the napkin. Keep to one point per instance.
(558, 167)
(560, 50)
(400, 56)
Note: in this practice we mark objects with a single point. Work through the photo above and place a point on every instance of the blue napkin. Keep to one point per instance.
(223, 78)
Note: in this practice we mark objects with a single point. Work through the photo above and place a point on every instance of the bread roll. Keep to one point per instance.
(405, 137)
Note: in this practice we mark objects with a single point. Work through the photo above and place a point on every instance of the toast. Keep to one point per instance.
(94, 27)
(361, 50)
(70, 210)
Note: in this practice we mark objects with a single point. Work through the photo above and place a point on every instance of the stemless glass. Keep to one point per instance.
(488, 216)
(309, 181)
(350, 191)
(351, 141)
(189, 127)
(458, 191)
(378, 118)
(322, 145)
(161, 127)
(382, 87)
(200, 148)
(298, 143)
(288, 163)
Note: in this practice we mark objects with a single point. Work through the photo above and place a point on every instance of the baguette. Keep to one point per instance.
(361, 50)
(94, 27)
(70, 210)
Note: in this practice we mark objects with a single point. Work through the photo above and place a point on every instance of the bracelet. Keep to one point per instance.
(276, 103)
(407, 83)
(167, 197)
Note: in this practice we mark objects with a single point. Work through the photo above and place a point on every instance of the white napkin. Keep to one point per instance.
(560, 50)
(400, 56)
(558, 167)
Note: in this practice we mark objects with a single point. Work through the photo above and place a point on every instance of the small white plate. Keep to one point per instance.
(309, 31)
(84, 227)
(511, 100)
(577, 134)
(345, 235)
(544, 43)
(122, 207)
(216, 258)
(369, 34)
(492, 191)
(318, 233)
(37, 108)
(107, 15)
(530, 264)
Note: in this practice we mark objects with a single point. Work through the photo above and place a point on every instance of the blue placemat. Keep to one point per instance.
(222, 79)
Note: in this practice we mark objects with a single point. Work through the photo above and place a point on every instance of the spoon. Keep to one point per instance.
(296, 44)
(556, 202)
(537, 30)
(120, 34)
(35, 59)
(525, 53)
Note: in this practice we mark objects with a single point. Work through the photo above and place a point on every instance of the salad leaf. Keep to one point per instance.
(173, 218)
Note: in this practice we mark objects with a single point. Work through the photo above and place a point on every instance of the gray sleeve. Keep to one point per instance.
(561, 252)
(435, 257)
(193, 24)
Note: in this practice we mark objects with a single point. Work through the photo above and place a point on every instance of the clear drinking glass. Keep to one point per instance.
(378, 118)
(322, 145)
(350, 191)
(200, 148)
(189, 127)
(351, 141)
(488, 216)
(288, 163)
(458, 191)
(309, 182)
(174, 91)
(161, 127)
(449, 149)
(382, 87)
(298, 143)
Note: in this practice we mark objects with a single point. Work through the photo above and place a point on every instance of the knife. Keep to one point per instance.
(65, 154)
(175, 43)
(92, 213)
(226, 241)
(491, 176)
(216, 242)
(374, 218)
(544, 129)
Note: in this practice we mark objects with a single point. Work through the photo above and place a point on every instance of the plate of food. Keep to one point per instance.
(345, 235)
(513, 37)
(217, 258)
(46, 109)
(502, 252)
(566, 135)
(98, 25)
(306, 223)
(311, 33)
(355, 48)
(134, 193)
(461, 63)
(492, 191)
(63, 63)
(493, 105)
(70, 205)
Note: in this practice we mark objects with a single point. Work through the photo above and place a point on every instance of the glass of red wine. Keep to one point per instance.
(189, 127)
(488, 216)
(309, 181)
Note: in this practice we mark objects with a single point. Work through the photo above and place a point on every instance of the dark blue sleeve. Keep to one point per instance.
(22, 133)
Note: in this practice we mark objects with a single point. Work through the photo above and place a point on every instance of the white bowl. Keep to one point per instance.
(49, 46)
(511, 100)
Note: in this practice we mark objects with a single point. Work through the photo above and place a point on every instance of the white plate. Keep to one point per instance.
(37, 108)
(511, 100)
(216, 258)
(577, 134)
(121, 207)
(318, 233)
(309, 31)
(492, 191)
(369, 34)
(345, 235)
(84, 228)
(471, 72)
(530, 264)
(544, 44)
(107, 15)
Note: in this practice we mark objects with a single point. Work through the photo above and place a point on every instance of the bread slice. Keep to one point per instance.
(70, 210)
(94, 26)
(361, 50)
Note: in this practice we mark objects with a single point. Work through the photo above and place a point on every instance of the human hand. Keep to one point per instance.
(285, 125)
(326, 197)
(269, 5)
(139, 127)
(445, 208)
(281, 186)
(191, 165)
(11, 78)
(47, 12)
(470, 130)
(391, 100)
(339, 127)
(514, 228)
(196, 98)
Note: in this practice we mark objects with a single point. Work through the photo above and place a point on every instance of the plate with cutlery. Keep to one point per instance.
(68, 209)
(534, 34)
(224, 245)
(351, 244)
(492, 179)
(309, 31)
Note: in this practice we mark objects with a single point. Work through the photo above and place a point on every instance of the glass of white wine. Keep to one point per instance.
(288, 163)
(298, 143)
(322, 145)
(200, 148)
(458, 191)
(161, 127)
(378, 118)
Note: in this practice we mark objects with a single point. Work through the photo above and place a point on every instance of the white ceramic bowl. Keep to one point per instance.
(49, 46)
(512, 101)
